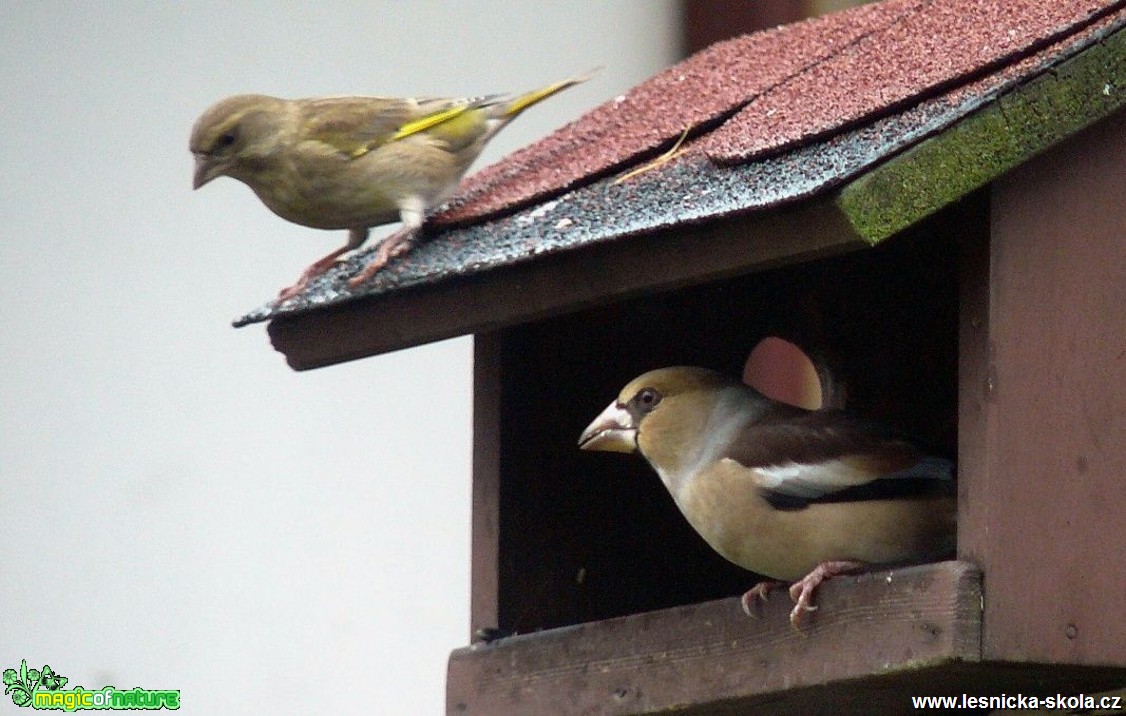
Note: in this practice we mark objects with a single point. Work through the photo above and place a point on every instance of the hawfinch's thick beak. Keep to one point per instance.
(612, 431)
(205, 170)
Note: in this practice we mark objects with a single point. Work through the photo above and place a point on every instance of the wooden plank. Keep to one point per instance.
(557, 284)
(1048, 522)
(485, 520)
(884, 623)
(975, 391)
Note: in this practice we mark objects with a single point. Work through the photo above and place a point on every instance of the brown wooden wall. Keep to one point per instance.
(709, 21)
(1043, 458)
(996, 327)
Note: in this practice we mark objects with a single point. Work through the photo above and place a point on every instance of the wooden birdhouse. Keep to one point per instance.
(927, 198)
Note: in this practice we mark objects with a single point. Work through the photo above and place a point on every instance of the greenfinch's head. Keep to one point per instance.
(235, 136)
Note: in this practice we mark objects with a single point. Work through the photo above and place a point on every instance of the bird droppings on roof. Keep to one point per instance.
(571, 170)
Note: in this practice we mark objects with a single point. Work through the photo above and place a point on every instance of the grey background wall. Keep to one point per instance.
(178, 509)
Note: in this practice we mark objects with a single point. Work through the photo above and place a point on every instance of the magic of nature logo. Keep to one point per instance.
(44, 689)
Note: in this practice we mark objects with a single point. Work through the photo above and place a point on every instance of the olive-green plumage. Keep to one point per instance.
(351, 162)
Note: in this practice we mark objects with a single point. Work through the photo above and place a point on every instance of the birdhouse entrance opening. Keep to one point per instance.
(587, 536)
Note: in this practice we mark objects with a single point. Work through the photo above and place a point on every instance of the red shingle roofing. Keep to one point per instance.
(788, 85)
(703, 89)
(774, 116)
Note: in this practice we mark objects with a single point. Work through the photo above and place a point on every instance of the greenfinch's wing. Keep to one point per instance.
(351, 125)
(355, 126)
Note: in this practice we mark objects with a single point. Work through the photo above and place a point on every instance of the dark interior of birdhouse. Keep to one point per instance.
(586, 536)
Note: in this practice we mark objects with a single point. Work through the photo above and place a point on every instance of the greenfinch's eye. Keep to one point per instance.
(226, 140)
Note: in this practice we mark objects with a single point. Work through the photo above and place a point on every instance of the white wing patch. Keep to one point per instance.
(812, 480)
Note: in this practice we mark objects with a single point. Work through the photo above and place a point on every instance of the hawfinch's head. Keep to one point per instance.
(640, 407)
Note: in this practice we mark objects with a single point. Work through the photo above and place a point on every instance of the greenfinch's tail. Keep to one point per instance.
(463, 116)
(521, 102)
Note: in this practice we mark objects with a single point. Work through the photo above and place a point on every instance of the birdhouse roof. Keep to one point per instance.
(857, 123)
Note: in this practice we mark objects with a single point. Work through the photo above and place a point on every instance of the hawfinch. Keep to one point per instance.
(792, 494)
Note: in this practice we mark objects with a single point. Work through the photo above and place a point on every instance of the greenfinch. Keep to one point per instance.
(792, 494)
(352, 162)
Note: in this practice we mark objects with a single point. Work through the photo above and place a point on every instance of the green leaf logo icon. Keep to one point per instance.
(22, 685)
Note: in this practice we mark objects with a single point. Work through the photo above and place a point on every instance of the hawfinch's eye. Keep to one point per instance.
(648, 398)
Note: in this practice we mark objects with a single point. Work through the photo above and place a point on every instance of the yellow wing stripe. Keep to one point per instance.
(431, 120)
(513, 108)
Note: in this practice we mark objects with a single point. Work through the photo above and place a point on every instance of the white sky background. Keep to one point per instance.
(179, 509)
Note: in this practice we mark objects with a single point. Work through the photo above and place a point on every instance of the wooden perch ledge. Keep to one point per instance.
(876, 640)
(884, 622)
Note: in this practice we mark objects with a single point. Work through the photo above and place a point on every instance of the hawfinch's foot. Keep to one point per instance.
(756, 594)
(802, 590)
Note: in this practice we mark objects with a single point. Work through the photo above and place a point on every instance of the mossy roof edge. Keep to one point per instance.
(983, 146)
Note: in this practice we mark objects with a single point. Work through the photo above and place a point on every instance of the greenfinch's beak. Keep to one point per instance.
(612, 431)
(205, 170)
